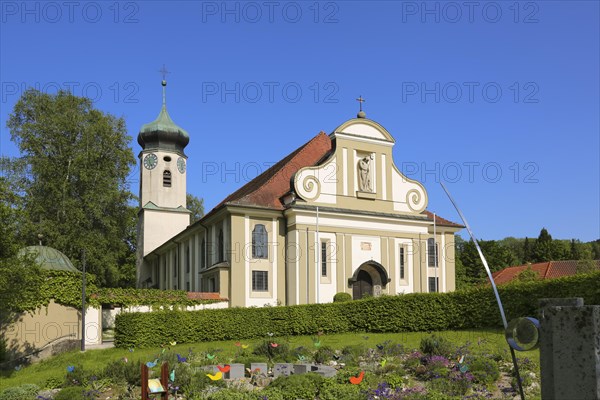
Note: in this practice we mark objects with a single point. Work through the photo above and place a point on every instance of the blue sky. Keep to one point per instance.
(500, 100)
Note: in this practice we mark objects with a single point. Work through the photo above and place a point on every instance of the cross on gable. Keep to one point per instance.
(360, 101)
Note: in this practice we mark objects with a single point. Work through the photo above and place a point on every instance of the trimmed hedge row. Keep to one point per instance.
(467, 309)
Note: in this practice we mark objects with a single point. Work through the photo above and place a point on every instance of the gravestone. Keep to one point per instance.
(262, 367)
(236, 371)
(569, 349)
(284, 369)
(302, 368)
(325, 371)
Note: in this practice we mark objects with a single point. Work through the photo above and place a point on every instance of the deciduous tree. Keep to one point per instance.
(196, 206)
(73, 189)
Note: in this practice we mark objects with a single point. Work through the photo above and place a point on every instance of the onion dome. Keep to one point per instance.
(163, 133)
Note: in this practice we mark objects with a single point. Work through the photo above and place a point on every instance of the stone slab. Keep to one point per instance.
(283, 369)
(569, 349)
(236, 371)
(264, 369)
(303, 368)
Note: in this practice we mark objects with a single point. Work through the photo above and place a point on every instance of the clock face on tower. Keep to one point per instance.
(181, 164)
(150, 161)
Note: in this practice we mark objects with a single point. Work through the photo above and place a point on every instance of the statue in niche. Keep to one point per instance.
(365, 181)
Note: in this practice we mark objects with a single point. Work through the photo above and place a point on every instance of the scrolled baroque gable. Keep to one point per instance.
(361, 174)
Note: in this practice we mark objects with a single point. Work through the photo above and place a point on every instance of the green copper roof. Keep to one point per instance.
(49, 258)
(163, 133)
(164, 123)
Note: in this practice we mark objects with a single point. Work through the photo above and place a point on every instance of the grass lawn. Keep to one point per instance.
(52, 371)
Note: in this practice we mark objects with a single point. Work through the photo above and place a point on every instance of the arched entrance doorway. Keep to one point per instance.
(368, 280)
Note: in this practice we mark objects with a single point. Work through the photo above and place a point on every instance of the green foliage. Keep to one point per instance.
(512, 251)
(71, 393)
(497, 256)
(196, 206)
(70, 182)
(23, 392)
(324, 354)
(123, 372)
(65, 288)
(20, 283)
(281, 351)
(341, 297)
(528, 275)
(304, 386)
(79, 376)
(435, 345)
(586, 266)
(465, 309)
(147, 297)
(543, 248)
(484, 370)
(332, 390)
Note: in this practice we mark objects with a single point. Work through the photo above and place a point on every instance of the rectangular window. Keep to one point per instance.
(432, 250)
(260, 239)
(402, 273)
(260, 281)
(433, 284)
(187, 286)
(324, 258)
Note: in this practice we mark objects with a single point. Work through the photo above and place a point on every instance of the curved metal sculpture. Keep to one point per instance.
(489, 274)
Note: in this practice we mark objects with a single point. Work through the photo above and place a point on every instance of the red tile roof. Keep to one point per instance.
(204, 296)
(267, 189)
(545, 270)
(441, 221)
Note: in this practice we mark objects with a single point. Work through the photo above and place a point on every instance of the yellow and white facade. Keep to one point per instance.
(336, 215)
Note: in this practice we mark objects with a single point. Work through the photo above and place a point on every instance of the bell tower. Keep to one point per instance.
(162, 213)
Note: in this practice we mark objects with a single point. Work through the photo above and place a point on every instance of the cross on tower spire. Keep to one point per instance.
(164, 73)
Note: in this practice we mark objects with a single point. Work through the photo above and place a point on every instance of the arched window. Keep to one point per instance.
(221, 246)
(259, 242)
(167, 178)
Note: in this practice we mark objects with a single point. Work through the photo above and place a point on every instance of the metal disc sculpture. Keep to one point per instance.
(522, 333)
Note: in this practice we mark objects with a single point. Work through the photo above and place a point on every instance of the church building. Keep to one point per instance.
(335, 215)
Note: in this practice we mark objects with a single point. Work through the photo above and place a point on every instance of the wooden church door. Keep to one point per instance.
(363, 285)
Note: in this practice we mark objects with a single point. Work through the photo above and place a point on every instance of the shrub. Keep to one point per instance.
(279, 353)
(324, 355)
(304, 386)
(341, 297)
(79, 377)
(71, 393)
(435, 345)
(484, 370)
(331, 390)
(473, 308)
(23, 392)
(124, 372)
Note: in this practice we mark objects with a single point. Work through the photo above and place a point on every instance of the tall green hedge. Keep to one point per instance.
(64, 287)
(467, 309)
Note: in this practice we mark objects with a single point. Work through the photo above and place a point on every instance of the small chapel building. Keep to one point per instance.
(335, 215)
